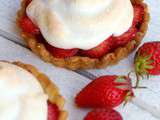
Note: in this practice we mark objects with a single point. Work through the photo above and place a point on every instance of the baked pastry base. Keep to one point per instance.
(79, 62)
(50, 88)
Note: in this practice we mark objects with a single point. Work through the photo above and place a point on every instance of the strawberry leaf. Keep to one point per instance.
(121, 79)
(123, 87)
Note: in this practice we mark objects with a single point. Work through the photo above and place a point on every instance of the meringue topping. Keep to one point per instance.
(21, 95)
(82, 24)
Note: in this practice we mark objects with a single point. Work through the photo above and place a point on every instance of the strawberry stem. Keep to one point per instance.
(139, 87)
(137, 80)
(128, 98)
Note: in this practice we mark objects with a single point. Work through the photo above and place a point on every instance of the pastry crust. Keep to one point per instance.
(49, 88)
(80, 62)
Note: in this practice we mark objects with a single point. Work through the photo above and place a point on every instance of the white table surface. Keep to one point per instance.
(146, 105)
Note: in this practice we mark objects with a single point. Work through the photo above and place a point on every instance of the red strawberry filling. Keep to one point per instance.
(28, 26)
(53, 112)
(130, 34)
(61, 53)
(100, 50)
(105, 47)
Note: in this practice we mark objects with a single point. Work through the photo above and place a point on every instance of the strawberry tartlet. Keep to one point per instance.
(27, 94)
(83, 34)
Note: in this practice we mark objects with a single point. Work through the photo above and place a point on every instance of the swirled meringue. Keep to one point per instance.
(82, 24)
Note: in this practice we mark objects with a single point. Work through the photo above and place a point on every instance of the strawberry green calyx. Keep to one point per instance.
(143, 64)
(123, 83)
(121, 79)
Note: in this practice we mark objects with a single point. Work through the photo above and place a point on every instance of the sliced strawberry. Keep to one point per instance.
(130, 34)
(125, 38)
(28, 26)
(138, 14)
(103, 114)
(53, 112)
(98, 51)
(61, 53)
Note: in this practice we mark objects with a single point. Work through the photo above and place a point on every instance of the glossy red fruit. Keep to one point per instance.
(105, 92)
(147, 59)
(138, 14)
(98, 51)
(130, 34)
(114, 42)
(61, 53)
(27, 26)
(53, 112)
(103, 114)
(126, 37)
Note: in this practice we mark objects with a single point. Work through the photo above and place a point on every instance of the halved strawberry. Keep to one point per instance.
(125, 38)
(53, 112)
(130, 34)
(103, 114)
(138, 14)
(28, 26)
(98, 51)
(61, 53)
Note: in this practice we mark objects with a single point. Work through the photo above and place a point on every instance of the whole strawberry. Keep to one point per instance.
(147, 59)
(103, 114)
(105, 92)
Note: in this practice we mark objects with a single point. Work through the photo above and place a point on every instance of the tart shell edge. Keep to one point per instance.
(49, 87)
